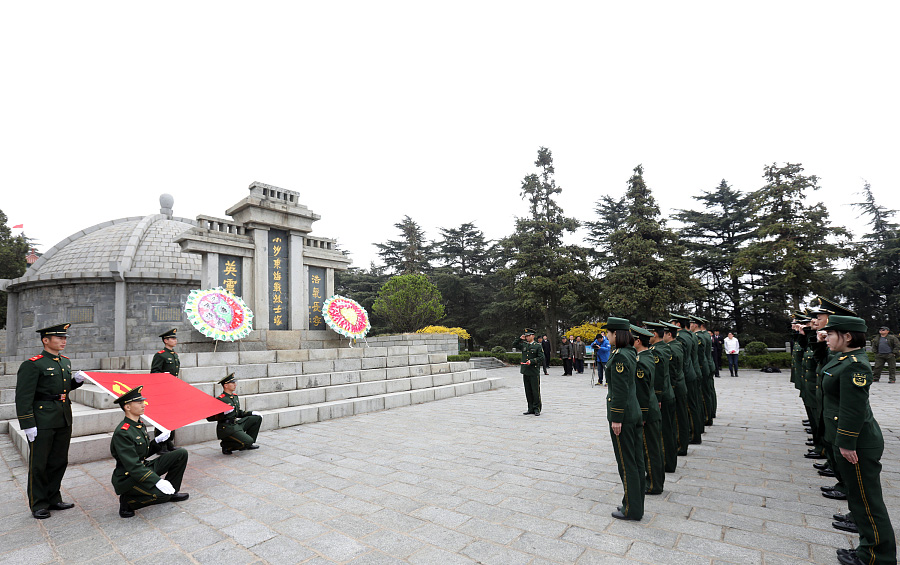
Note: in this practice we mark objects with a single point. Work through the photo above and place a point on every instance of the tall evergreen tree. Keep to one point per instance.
(409, 255)
(872, 283)
(610, 216)
(714, 236)
(362, 286)
(652, 274)
(547, 276)
(793, 249)
(13, 250)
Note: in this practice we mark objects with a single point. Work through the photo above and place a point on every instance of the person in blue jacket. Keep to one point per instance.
(601, 353)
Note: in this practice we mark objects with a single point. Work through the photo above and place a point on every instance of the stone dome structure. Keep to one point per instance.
(121, 283)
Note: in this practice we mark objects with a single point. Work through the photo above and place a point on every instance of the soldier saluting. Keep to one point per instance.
(530, 367)
(43, 385)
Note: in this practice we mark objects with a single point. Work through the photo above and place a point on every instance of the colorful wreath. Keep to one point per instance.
(218, 314)
(346, 317)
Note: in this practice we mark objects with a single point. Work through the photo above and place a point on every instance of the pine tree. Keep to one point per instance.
(547, 277)
(872, 284)
(13, 250)
(651, 274)
(409, 255)
(714, 237)
(362, 286)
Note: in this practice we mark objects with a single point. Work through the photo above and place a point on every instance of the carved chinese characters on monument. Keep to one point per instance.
(316, 297)
(279, 272)
(231, 274)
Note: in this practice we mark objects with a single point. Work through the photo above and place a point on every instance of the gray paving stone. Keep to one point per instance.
(491, 553)
(281, 550)
(336, 546)
(394, 544)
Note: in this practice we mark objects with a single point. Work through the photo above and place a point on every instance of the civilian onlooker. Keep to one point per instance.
(718, 344)
(601, 353)
(885, 346)
(566, 353)
(732, 349)
(545, 343)
(579, 355)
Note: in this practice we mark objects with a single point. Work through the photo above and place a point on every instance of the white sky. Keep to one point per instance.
(376, 110)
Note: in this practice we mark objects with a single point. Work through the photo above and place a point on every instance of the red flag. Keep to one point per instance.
(22, 226)
(171, 402)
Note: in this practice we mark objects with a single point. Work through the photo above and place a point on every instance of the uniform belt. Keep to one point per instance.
(50, 397)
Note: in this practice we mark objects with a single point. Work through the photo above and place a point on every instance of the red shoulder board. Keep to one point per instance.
(126, 425)
(36, 357)
(163, 351)
(63, 356)
(222, 395)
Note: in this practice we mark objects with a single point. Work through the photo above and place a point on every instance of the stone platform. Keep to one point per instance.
(469, 480)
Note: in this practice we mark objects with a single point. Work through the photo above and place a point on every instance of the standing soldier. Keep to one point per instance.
(676, 375)
(137, 481)
(624, 415)
(237, 429)
(166, 361)
(43, 385)
(708, 350)
(691, 376)
(530, 367)
(645, 390)
(886, 347)
(665, 393)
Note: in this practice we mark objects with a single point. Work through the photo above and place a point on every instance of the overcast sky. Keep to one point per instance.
(376, 110)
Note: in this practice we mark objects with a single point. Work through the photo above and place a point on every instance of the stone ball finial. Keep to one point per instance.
(166, 201)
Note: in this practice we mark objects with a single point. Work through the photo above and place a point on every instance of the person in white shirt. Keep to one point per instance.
(732, 348)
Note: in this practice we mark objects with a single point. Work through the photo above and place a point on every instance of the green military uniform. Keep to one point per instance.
(676, 375)
(166, 361)
(43, 385)
(622, 407)
(645, 390)
(665, 393)
(850, 424)
(691, 380)
(135, 477)
(532, 361)
(238, 429)
(708, 387)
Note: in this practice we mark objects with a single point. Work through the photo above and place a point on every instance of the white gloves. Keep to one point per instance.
(78, 377)
(30, 433)
(255, 413)
(165, 486)
(162, 437)
(228, 411)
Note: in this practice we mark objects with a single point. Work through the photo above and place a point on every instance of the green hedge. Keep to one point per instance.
(781, 360)
(460, 357)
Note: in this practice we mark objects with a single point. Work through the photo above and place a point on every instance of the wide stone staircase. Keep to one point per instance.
(288, 387)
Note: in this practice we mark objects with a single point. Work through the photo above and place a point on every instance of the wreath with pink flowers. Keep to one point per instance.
(346, 317)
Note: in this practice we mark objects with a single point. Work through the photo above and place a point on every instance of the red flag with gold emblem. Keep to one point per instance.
(170, 402)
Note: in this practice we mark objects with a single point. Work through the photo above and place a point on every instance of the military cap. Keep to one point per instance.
(59, 330)
(617, 324)
(884, 328)
(228, 379)
(669, 326)
(132, 395)
(170, 333)
(696, 319)
(822, 305)
(678, 317)
(845, 324)
(528, 331)
(654, 325)
(641, 331)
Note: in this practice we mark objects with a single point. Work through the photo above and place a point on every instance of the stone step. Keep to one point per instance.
(92, 396)
(486, 363)
(94, 445)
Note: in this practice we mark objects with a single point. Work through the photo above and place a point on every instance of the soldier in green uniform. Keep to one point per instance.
(707, 357)
(858, 443)
(166, 361)
(645, 390)
(237, 429)
(665, 393)
(530, 367)
(624, 415)
(676, 375)
(44, 410)
(138, 481)
(691, 376)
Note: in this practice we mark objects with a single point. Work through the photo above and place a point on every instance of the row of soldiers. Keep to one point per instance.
(843, 431)
(44, 409)
(660, 396)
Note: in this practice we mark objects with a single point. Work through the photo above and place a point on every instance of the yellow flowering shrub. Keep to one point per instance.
(587, 331)
(459, 332)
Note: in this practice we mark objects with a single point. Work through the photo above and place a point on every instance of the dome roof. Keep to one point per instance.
(136, 247)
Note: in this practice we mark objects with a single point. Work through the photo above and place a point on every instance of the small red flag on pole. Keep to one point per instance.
(19, 226)
(171, 402)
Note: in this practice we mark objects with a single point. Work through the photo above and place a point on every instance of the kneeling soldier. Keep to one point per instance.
(237, 429)
(136, 480)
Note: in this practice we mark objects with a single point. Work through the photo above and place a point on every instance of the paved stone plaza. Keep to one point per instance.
(468, 480)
